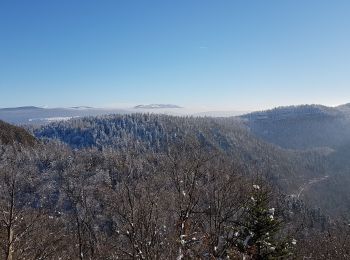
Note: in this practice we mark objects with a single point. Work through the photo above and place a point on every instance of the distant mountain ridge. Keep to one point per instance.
(37, 115)
(302, 127)
(40, 115)
(157, 106)
(82, 107)
(20, 108)
(294, 111)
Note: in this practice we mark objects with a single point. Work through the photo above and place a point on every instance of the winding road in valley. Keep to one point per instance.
(310, 183)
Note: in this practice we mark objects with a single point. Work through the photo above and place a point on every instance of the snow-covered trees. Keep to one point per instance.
(257, 235)
(163, 188)
(24, 221)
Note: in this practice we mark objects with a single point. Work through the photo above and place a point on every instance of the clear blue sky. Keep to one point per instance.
(239, 54)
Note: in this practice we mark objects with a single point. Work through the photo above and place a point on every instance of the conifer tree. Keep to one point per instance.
(258, 235)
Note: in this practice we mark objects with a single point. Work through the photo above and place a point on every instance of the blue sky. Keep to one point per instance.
(220, 54)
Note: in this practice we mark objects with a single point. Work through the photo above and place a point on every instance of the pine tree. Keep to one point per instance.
(257, 236)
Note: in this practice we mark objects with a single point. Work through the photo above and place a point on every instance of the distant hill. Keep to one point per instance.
(311, 127)
(38, 116)
(31, 115)
(25, 108)
(10, 134)
(302, 127)
(156, 106)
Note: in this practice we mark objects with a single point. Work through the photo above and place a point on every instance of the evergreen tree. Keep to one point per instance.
(258, 234)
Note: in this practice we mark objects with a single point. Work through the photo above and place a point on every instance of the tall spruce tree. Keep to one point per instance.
(258, 236)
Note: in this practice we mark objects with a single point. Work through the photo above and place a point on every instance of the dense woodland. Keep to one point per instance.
(317, 128)
(160, 187)
(290, 170)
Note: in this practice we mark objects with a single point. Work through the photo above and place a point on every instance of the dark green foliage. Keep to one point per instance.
(258, 234)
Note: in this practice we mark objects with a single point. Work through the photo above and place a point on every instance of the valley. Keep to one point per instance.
(103, 175)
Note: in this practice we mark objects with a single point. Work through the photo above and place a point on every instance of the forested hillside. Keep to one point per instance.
(297, 173)
(156, 133)
(186, 203)
(160, 187)
(10, 134)
(302, 127)
(313, 127)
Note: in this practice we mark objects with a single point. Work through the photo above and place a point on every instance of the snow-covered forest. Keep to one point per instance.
(160, 187)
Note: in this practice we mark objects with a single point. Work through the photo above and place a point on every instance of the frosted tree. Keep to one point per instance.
(258, 234)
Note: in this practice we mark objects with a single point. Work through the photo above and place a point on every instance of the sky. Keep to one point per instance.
(223, 54)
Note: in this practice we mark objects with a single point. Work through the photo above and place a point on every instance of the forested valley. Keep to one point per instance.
(147, 186)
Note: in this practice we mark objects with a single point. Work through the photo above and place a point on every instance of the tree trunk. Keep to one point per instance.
(10, 248)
